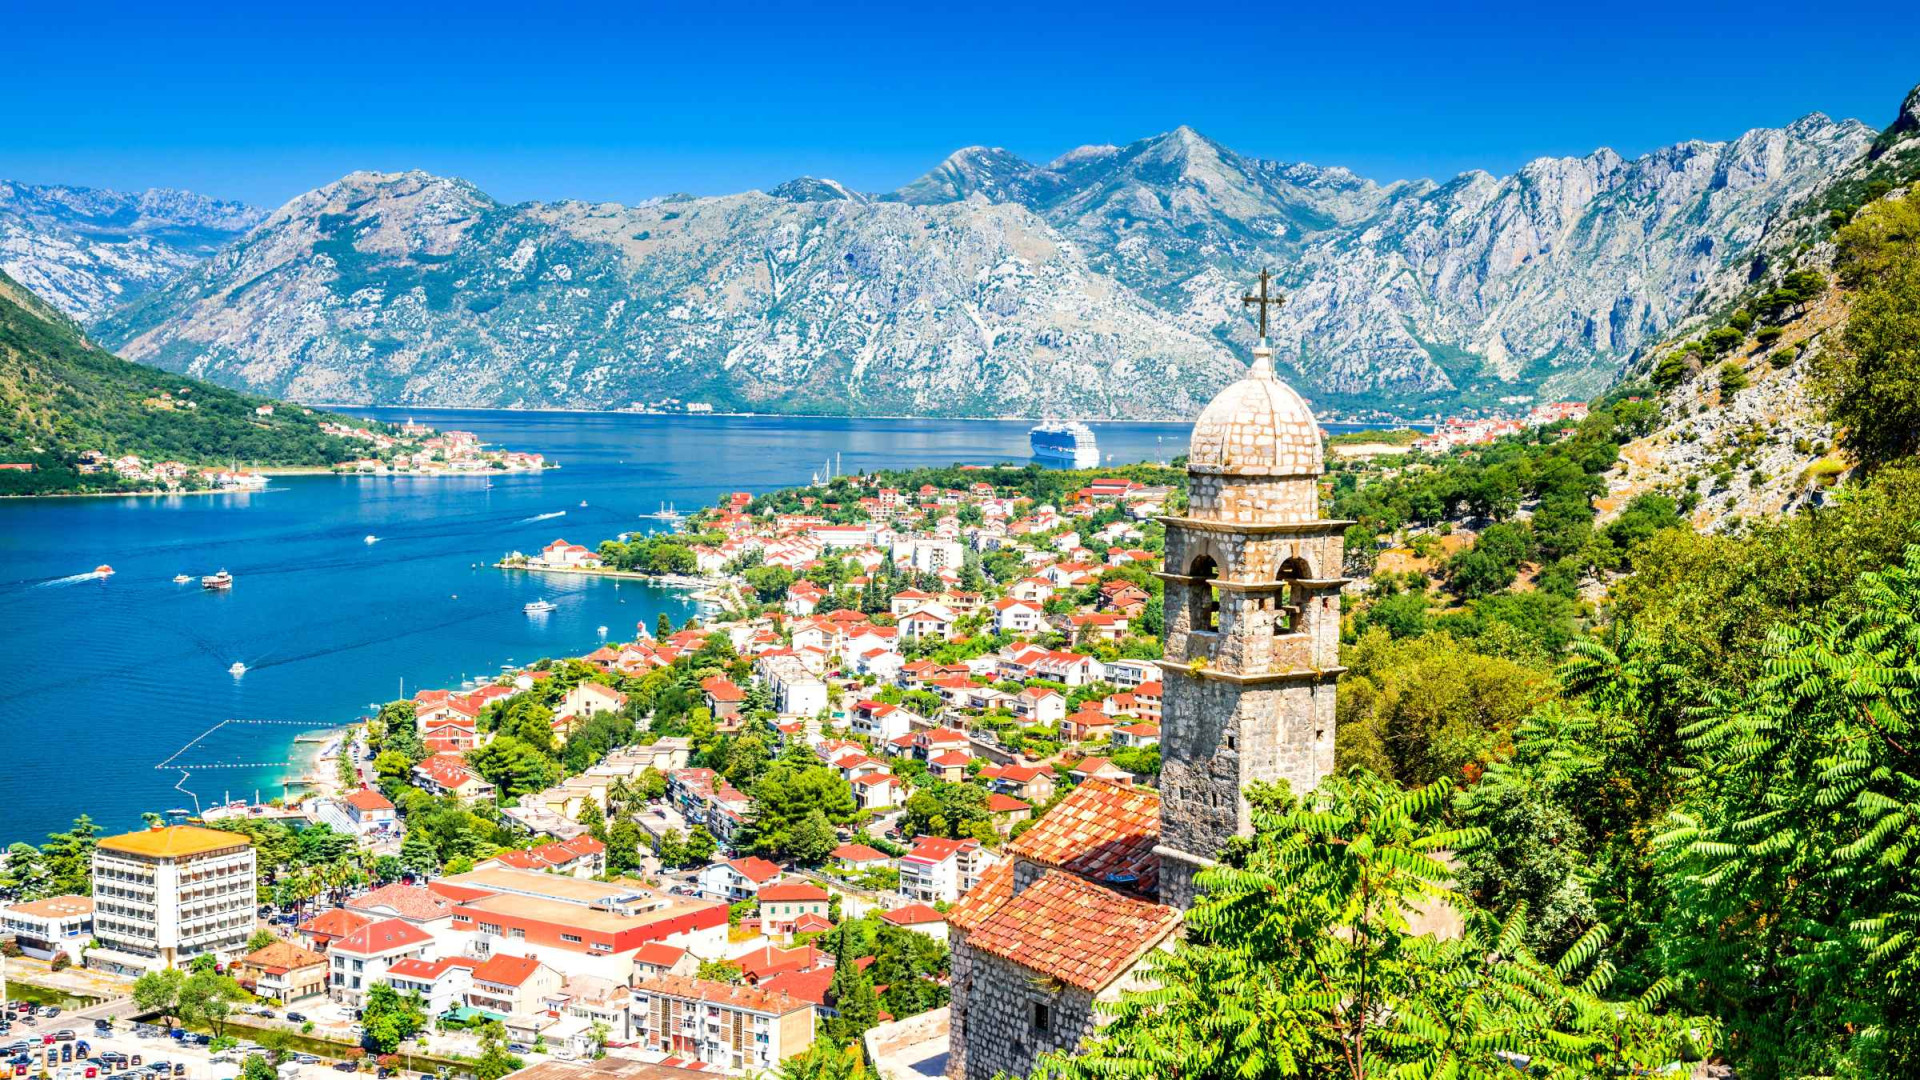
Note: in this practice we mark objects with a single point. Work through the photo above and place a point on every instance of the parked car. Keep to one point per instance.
(50, 1011)
(296, 1018)
(343, 1066)
(103, 1025)
(201, 1039)
(64, 1035)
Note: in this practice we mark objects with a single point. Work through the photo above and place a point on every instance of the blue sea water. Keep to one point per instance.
(110, 678)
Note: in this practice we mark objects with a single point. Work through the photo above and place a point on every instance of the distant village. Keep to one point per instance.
(417, 450)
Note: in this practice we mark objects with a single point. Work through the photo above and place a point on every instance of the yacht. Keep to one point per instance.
(603, 631)
(537, 607)
(182, 579)
(1068, 443)
(370, 538)
(221, 580)
(237, 669)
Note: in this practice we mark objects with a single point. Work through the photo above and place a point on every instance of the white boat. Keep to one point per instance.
(603, 631)
(583, 502)
(221, 580)
(1069, 443)
(372, 538)
(182, 579)
(537, 607)
(237, 669)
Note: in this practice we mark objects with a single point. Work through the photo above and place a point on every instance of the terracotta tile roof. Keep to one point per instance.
(767, 961)
(994, 888)
(859, 853)
(807, 986)
(335, 923)
(794, 892)
(1072, 930)
(504, 970)
(282, 957)
(811, 924)
(415, 903)
(658, 954)
(1102, 831)
(912, 915)
(937, 849)
(755, 869)
(382, 936)
(369, 799)
(1005, 804)
(755, 998)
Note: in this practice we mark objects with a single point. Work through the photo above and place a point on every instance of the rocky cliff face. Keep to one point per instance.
(1104, 283)
(86, 250)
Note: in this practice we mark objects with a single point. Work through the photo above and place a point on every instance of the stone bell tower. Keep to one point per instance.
(1252, 621)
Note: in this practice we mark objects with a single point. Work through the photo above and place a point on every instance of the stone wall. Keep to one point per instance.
(992, 1016)
(1245, 500)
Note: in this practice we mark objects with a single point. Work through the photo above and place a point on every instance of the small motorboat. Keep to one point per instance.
(603, 631)
(237, 669)
(103, 570)
(372, 539)
(539, 607)
(182, 579)
(583, 503)
(221, 580)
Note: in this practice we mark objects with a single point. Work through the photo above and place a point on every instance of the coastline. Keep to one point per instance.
(665, 581)
(285, 470)
(717, 413)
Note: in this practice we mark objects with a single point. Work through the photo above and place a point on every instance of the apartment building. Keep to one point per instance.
(166, 895)
(741, 1029)
(363, 957)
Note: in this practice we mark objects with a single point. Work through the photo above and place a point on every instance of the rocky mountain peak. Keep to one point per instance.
(811, 189)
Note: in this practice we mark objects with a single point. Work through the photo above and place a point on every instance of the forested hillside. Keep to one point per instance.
(61, 395)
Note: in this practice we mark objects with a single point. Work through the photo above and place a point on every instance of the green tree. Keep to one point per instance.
(207, 998)
(260, 940)
(1300, 962)
(1792, 888)
(417, 853)
(495, 1061)
(787, 796)
(257, 1067)
(812, 840)
(1870, 383)
(159, 992)
(722, 971)
(388, 1019)
(851, 992)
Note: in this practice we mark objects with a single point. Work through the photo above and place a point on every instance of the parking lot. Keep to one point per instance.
(131, 1051)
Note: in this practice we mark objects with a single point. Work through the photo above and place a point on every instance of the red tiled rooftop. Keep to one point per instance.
(413, 902)
(506, 970)
(382, 936)
(858, 853)
(1102, 831)
(912, 915)
(1072, 930)
(658, 954)
(798, 892)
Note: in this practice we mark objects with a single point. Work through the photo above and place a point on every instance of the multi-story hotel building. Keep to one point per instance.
(736, 1029)
(166, 895)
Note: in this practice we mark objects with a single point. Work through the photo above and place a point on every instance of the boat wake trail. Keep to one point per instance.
(71, 579)
(541, 517)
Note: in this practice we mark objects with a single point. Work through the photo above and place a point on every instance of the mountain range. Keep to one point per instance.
(1103, 283)
(87, 250)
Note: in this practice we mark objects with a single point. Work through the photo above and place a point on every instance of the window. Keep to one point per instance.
(575, 938)
(1042, 1018)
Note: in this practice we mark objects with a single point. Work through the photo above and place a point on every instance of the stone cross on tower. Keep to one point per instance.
(1261, 299)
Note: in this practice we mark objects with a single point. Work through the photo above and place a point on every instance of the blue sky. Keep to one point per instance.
(628, 101)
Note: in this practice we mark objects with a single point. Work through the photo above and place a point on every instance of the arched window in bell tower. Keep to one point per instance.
(1288, 618)
(1203, 605)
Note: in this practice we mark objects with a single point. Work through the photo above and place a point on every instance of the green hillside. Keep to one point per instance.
(62, 395)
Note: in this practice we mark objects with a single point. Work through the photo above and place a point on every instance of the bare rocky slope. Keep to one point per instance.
(1765, 449)
(87, 250)
(1104, 283)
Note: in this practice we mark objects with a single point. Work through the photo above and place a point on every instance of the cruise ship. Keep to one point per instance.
(1065, 443)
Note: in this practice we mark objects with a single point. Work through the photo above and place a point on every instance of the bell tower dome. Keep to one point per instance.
(1252, 649)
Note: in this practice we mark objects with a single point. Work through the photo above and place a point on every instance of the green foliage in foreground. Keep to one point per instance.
(1300, 961)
